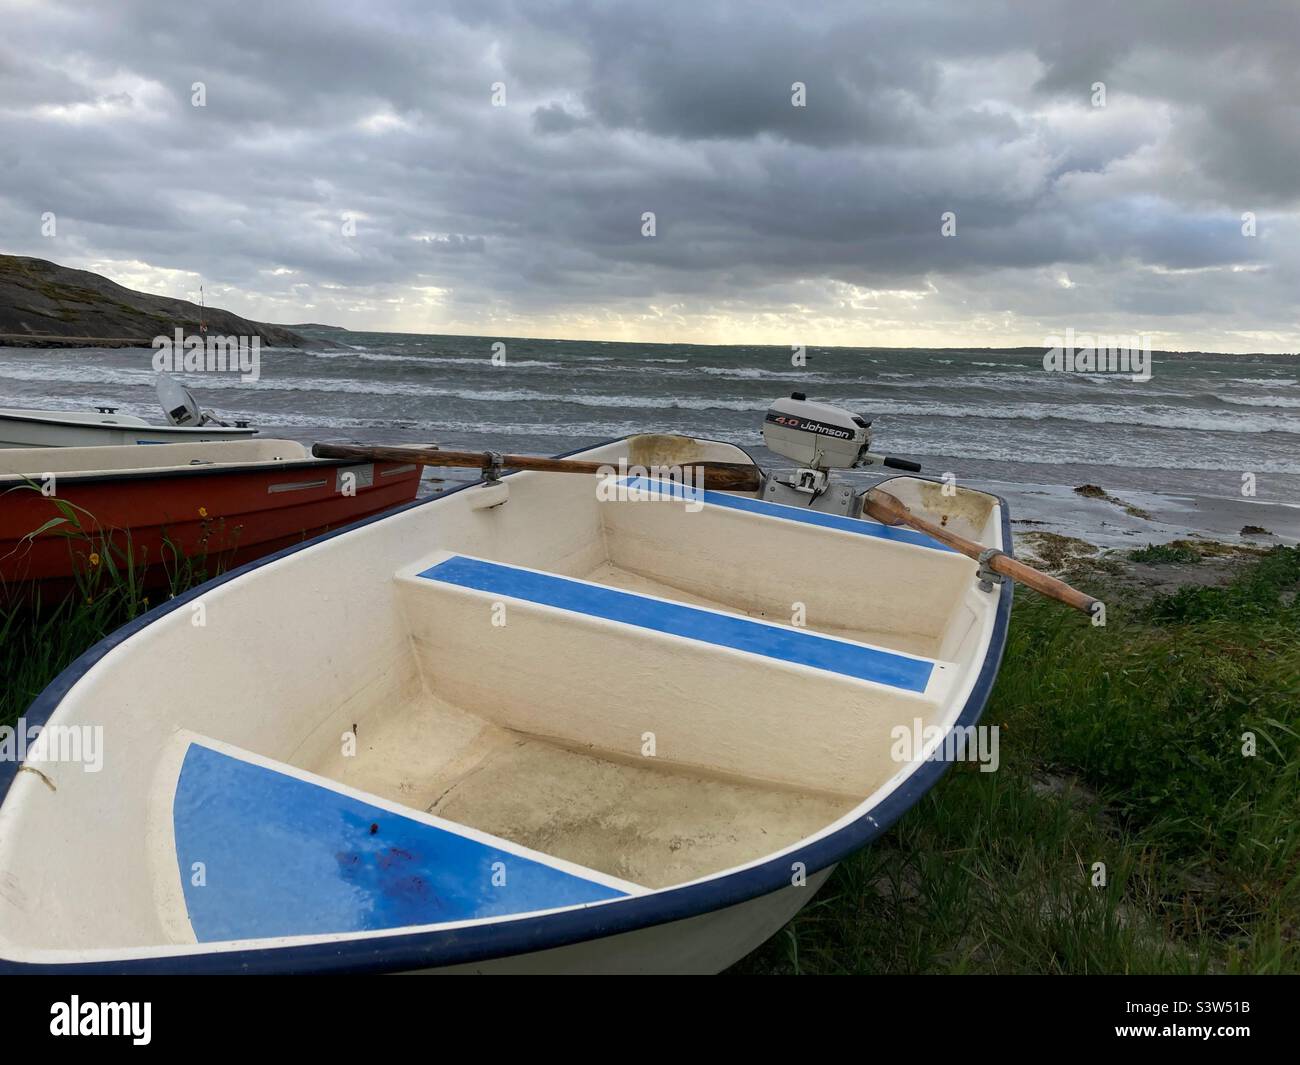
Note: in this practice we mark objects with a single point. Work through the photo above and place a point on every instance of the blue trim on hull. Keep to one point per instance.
(797, 646)
(525, 935)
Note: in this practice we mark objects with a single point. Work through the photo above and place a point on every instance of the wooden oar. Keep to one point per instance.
(889, 509)
(725, 476)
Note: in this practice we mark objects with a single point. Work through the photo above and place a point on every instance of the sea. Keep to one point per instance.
(1209, 444)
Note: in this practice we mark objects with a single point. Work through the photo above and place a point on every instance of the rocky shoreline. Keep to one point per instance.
(1143, 571)
(44, 305)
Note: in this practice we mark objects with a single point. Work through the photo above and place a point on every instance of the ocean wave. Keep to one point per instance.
(1137, 417)
(1100, 457)
(443, 429)
(736, 373)
(1010, 379)
(204, 384)
(437, 360)
(1048, 448)
(274, 379)
(1113, 454)
(1262, 401)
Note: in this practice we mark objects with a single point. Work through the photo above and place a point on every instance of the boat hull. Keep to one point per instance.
(700, 946)
(39, 429)
(224, 516)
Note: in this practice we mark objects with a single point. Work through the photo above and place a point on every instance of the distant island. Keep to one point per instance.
(44, 305)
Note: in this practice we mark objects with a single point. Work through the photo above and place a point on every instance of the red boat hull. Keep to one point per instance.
(225, 517)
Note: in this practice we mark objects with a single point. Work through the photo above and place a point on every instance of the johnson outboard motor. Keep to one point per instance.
(180, 406)
(821, 438)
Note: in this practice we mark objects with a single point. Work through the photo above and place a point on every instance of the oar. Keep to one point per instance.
(726, 476)
(891, 510)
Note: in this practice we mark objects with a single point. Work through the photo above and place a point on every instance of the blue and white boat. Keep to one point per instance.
(522, 726)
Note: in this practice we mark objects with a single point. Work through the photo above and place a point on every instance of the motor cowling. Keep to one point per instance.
(816, 435)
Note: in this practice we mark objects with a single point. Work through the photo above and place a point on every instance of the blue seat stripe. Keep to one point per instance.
(283, 856)
(861, 526)
(772, 641)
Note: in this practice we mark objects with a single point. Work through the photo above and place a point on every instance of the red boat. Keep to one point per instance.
(66, 512)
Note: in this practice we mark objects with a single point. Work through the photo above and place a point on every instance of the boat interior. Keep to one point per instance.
(614, 694)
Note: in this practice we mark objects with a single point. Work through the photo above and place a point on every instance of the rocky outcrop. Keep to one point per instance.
(43, 304)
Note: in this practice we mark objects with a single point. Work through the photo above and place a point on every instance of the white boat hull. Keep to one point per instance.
(32, 428)
(700, 946)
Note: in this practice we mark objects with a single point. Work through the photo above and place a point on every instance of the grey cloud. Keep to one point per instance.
(555, 118)
(383, 112)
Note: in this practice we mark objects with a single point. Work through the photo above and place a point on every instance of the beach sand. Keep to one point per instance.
(1149, 517)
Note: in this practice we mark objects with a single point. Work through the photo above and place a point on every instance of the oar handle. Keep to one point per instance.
(888, 508)
(1043, 583)
(726, 476)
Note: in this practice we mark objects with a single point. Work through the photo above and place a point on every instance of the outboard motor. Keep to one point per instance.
(821, 438)
(180, 406)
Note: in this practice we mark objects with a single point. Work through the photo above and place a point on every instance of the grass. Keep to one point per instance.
(1163, 554)
(38, 639)
(1121, 745)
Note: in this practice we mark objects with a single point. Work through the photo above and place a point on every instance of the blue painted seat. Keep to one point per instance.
(795, 646)
(281, 855)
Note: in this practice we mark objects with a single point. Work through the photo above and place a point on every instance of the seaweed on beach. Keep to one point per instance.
(1161, 554)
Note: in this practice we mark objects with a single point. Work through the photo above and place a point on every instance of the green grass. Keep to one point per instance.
(38, 639)
(1120, 745)
(1156, 554)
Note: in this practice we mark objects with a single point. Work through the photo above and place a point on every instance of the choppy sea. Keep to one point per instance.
(1177, 445)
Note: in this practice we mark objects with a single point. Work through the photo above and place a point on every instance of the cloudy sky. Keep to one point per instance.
(351, 165)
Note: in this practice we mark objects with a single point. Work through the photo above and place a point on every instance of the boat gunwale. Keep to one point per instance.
(198, 469)
(399, 951)
(6, 414)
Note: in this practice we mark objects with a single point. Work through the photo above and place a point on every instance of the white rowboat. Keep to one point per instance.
(516, 727)
(45, 428)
